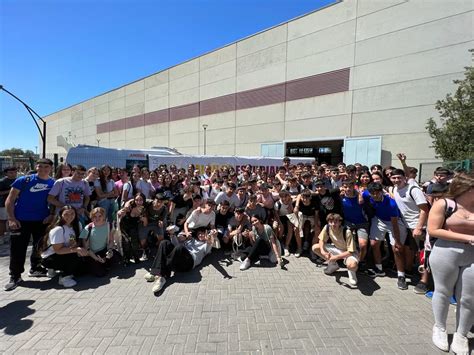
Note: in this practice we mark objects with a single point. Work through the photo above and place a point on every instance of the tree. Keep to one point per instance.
(18, 152)
(454, 138)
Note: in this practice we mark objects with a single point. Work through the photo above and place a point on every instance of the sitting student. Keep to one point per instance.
(306, 208)
(60, 249)
(223, 215)
(181, 255)
(342, 247)
(201, 217)
(132, 216)
(97, 240)
(237, 225)
(255, 209)
(156, 214)
(262, 240)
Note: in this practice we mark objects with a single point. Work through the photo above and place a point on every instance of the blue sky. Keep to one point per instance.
(55, 53)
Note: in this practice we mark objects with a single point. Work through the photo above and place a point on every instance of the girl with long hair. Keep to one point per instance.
(451, 220)
(60, 248)
(106, 192)
(63, 170)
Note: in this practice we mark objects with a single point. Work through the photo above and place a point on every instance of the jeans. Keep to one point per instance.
(19, 245)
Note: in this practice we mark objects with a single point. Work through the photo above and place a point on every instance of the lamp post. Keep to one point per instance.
(205, 128)
(32, 112)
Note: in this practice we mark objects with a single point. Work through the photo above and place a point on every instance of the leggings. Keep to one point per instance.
(453, 270)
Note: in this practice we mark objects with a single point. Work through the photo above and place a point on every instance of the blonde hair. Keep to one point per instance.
(333, 216)
(97, 210)
(461, 183)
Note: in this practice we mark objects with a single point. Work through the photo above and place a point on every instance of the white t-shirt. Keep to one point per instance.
(233, 199)
(58, 235)
(282, 209)
(199, 219)
(109, 186)
(145, 187)
(408, 205)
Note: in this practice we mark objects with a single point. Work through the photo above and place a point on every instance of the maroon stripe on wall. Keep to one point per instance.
(262, 96)
(217, 105)
(185, 111)
(160, 116)
(135, 121)
(316, 85)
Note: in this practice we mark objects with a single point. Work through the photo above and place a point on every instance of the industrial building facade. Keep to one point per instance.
(356, 80)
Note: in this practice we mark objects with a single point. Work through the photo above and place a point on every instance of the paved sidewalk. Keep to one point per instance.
(216, 309)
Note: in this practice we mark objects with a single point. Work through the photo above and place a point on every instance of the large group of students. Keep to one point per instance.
(368, 220)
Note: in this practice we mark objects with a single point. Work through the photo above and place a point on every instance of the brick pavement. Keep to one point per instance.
(216, 309)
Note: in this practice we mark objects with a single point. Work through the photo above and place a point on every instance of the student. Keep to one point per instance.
(97, 240)
(229, 195)
(307, 208)
(451, 220)
(60, 249)
(201, 217)
(263, 242)
(386, 220)
(342, 247)
(28, 216)
(5, 184)
(106, 191)
(63, 170)
(182, 254)
(287, 220)
(156, 214)
(72, 191)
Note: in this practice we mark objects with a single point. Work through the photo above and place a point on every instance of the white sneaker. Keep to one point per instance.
(149, 277)
(440, 338)
(144, 257)
(51, 273)
(286, 252)
(460, 344)
(67, 281)
(352, 277)
(245, 264)
(331, 268)
(159, 283)
(298, 253)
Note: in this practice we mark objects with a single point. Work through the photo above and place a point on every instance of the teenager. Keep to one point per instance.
(60, 248)
(28, 216)
(342, 247)
(106, 192)
(451, 220)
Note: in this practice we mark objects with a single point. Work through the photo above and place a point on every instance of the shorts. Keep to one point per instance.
(303, 218)
(144, 231)
(379, 228)
(362, 229)
(331, 248)
(3, 214)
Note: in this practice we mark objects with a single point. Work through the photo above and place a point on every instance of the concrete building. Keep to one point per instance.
(356, 80)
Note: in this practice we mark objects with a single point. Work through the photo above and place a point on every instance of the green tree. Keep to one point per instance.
(454, 138)
(12, 152)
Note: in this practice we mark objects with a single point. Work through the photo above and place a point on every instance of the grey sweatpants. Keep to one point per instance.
(452, 268)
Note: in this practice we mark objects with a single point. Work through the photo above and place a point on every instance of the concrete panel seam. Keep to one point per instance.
(379, 10)
(413, 53)
(408, 81)
(413, 26)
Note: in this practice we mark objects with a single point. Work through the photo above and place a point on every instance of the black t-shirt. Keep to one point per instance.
(311, 208)
(222, 220)
(154, 216)
(330, 202)
(5, 184)
(179, 201)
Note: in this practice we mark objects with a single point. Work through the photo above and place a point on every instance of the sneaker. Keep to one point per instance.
(286, 251)
(352, 277)
(159, 283)
(460, 344)
(51, 273)
(12, 284)
(39, 272)
(402, 283)
(421, 288)
(331, 268)
(440, 338)
(67, 281)
(144, 257)
(298, 253)
(452, 300)
(149, 277)
(245, 264)
(378, 272)
(172, 229)
(429, 294)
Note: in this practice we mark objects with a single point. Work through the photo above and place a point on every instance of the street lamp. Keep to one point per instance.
(205, 127)
(31, 112)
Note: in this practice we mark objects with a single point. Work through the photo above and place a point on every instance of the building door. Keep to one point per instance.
(329, 152)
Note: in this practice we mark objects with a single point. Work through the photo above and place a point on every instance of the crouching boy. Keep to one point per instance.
(341, 247)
